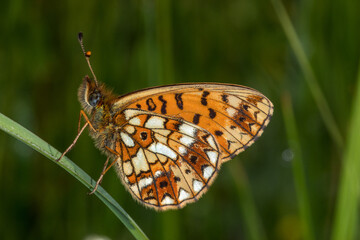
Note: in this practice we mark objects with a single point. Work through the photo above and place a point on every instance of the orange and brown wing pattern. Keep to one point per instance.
(235, 115)
(173, 139)
(165, 162)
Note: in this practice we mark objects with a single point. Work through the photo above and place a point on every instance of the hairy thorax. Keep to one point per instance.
(108, 126)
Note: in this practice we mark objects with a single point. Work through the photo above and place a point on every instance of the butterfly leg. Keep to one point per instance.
(82, 113)
(105, 169)
(101, 177)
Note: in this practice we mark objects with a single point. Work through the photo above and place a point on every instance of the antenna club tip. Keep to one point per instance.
(80, 36)
(88, 54)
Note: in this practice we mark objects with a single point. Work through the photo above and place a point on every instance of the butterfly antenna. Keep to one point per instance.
(87, 55)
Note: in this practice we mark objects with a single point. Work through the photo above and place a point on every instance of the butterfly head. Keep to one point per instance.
(92, 95)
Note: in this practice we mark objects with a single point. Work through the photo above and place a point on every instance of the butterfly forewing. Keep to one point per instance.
(235, 115)
(172, 140)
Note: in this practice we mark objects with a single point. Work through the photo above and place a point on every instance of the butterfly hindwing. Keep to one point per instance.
(165, 162)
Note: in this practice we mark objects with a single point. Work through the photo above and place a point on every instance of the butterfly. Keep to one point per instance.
(167, 143)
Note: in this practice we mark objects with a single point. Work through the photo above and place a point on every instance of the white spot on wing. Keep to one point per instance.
(164, 132)
(144, 182)
(187, 141)
(135, 121)
(233, 101)
(163, 149)
(150, 156)
(197, 185)
(187, 129)
(167, 200)
(128, 169)
(211, 142)
(139, 162)
(130, 113)
(208, 171)
(162, 158)
(183, 195)
(129, 129)
(157, 173)
(182, 150)
(212, 155)
(135, 189)
(160, 138)
(128, 141)
(155, 122)
(231, 111)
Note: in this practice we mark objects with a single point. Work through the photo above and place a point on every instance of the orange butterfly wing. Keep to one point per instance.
(173, 139)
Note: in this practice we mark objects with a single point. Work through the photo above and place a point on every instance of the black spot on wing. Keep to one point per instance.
(225, 99)
(203, 101)
(218, 133)
(163, 184)
(143, 135)
(212, 113)
(163, 106)
(151, 105)
(193, 159)
(205, 94)
(203, 98)
(179, 101)
(196, 118)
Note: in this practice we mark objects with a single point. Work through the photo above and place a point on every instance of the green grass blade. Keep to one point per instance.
(253, 226)
(347, 208)
(309, 75)
(30, 139)
(298, 168)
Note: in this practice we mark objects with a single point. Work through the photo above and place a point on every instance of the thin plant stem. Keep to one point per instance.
(309, 75)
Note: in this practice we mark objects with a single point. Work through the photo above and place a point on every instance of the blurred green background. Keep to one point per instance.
(290, 185)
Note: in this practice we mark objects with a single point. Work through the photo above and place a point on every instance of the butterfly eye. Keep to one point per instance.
(94, 98)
